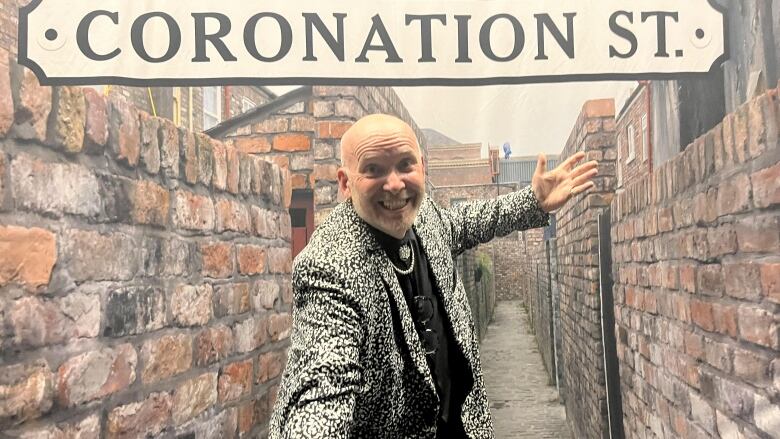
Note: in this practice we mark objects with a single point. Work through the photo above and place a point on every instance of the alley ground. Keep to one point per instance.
(522, 402)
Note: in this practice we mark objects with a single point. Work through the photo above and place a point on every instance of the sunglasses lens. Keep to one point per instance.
(430, 341)
(424, 308)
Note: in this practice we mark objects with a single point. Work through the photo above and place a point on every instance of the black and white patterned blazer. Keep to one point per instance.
(350, 373)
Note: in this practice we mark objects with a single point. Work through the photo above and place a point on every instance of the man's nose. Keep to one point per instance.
(394, 183)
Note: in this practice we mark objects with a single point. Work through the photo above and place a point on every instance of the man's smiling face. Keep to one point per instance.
(382, 172)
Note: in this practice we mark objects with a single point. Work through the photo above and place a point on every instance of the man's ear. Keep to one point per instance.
(343, 178)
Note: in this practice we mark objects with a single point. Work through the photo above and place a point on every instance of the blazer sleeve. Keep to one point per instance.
(323, 375)
(478, 221)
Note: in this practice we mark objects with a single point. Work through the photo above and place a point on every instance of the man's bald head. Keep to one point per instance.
(374, 129)
(382, 172)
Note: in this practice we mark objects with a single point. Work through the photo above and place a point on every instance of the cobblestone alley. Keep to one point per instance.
(523, 403)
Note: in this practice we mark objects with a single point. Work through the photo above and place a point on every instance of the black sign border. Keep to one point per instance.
(24, 60)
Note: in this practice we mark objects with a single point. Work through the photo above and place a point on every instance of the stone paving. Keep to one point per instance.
(522, 401)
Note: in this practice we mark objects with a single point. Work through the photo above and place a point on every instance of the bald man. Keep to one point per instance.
(383, 342)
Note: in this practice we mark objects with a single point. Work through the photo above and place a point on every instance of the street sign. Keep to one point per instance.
(367, 43)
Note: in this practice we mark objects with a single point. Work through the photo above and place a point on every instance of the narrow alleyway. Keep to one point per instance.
(523, 403)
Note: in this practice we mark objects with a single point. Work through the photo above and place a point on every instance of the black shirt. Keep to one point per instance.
(447, 363)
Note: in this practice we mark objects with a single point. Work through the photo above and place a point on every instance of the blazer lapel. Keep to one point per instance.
(407, 325)
(440, 260)
(381, 264)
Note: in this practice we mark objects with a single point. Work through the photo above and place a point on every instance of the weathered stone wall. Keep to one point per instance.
(144, 272)
(696, 251)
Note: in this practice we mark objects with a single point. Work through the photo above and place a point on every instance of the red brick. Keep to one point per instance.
(151, 203)
(770, 281)
(35, 322)
(27, 392)
(265, 223)
(189, 152)
(55, 188)
(758, 234)
(722, 240)
(251, 259)
(740, 134)
(33, 108)
(27, 256)
(250, 334)
(279, 260)
(213, 344)
(140, 419)
(752, 367)
(718, 355)
(264, 295)
(192, 305)
(762, 125)
(291, 142)
(734, 195)
(725, 319)
(193, 397)
(231, 299)
(279, 326)
(701, 315)
(124, 134)
(665, 221)
(218, 260)
(69, 119)
(757, 326)
(710, 280)
(269, 366)
(205, 147)
(219, 177)
(6, 101)
(96, 124)
(688, 278)
(694, 345)
(96, 374)
(72, 428)
(233, 171)
(246, 418)
(742, 281)
(326, 172)
(232, 216)
(94, 256)
(766, 186)
(192, 211)
(235, 381)
(332, 130)
(165, 357)
(150, 142)
(252, 145)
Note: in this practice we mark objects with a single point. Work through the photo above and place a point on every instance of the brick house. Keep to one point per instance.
(301, 132)
(450, 165)
(634, 136)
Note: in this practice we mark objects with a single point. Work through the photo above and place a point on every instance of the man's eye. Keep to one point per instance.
(372, 169)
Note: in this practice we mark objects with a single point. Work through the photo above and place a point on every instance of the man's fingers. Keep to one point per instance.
(569, 163)
(582, 188)
(584, 178)
(541, 164)
(584, 168)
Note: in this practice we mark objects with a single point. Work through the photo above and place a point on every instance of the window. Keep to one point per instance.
(247, 104)
(212, 108)
(631, 143)
(645, 142)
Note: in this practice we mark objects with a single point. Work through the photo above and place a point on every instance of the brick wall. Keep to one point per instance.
(482, 293)
(578, 280)
(696, 250)
(335, 109)
(505, 252)
(144, 272)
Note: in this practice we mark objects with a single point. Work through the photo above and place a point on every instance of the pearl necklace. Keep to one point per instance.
(406, 248)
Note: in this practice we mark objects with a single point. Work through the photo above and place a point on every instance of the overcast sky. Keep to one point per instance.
(532, 118)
